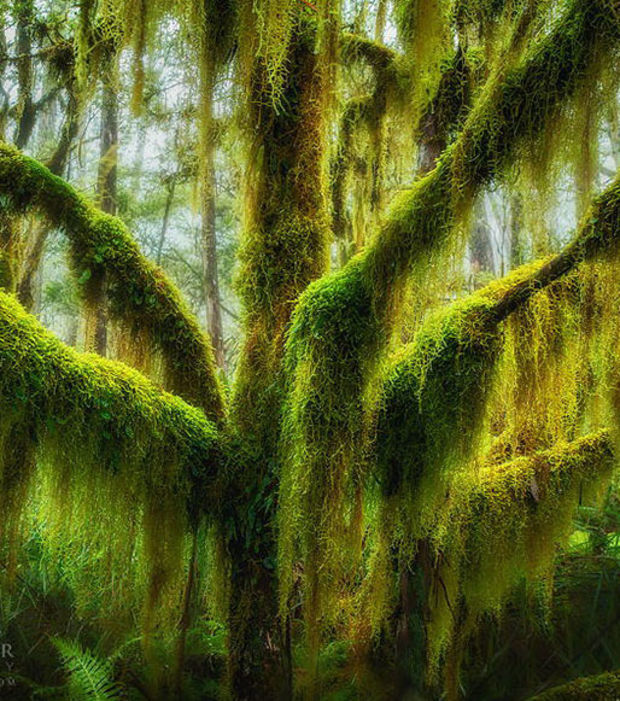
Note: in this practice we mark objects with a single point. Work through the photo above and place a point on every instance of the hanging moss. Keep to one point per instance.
(431, 417)
(285, 238)
(341, 322)
(65, 394)
(437, 389)
(434, 397)
(91, 453)
(423, 29)
(453, 359)
(138, 292)
(506, 524)
(353, 114)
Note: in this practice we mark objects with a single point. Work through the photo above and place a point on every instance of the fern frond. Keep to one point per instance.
(90, 678)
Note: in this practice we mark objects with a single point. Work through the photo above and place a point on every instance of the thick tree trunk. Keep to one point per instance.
(284, 249)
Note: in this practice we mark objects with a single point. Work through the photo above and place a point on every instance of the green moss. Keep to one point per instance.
(437, 388)
(433, 407)
(139, 294)
(343, 321)
(435, 395)
(70, 398)
(602, 687)
(285, 238)
(95, 456)
(506, 523)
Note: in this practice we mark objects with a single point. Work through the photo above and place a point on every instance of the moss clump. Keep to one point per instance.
(602, 687)
(359, 305)
(435, 395)
(83, 402)
(139, 294)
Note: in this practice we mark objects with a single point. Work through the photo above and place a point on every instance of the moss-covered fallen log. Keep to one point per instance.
(602, 687)
(139, 293)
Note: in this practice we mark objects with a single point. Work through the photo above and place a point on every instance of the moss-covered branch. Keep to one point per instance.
(507, 524)
(599, 234)
(355, 47)
(92, 454)
(602, 687)
(342, 322)
(81, 403)
(435, 394)
(139, 293)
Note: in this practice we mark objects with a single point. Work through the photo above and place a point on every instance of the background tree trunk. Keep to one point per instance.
(208, 232)
(106, 190)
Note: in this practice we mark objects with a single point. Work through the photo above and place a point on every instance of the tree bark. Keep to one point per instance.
(106, 192)
(286, 213)
(26, 105)
(208, 231)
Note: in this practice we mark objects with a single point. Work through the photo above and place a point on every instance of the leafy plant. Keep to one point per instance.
(89, 676)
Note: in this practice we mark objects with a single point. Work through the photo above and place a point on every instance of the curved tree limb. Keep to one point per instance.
(494, 521)
(75, 398)
(139, 294)
(443, 377)
(342, 322)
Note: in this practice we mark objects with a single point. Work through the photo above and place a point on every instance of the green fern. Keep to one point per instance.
(89, 677)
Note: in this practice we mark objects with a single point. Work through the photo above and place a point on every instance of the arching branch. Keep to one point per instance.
(139, 294)
(69, 402)
(433, 398)
(507, 525)
(342, 322)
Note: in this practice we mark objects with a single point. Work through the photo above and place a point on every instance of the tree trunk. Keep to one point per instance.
(517, 252)
(57, 165)
(208, 232)
(26, 106)
(284, 249)
(165, 220)
(106, 193)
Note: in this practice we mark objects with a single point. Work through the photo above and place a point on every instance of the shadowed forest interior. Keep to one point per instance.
(310, 349)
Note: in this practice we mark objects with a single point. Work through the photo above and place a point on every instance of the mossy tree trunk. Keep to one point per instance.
(284, 249)
(341, 329)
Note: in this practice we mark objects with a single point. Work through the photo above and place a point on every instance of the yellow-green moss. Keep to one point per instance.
(506, 523)
(94, 456)
(138, 293)
(422, 218)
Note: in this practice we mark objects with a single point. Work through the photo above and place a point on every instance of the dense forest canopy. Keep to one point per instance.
(310, 349)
